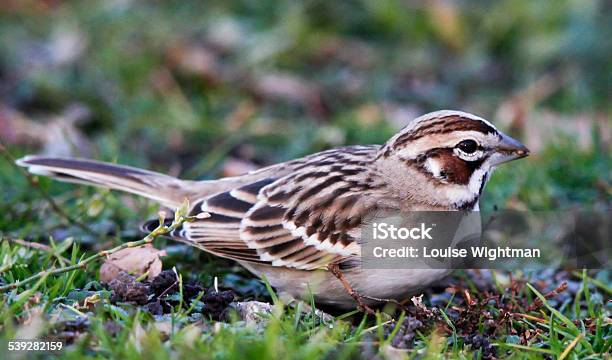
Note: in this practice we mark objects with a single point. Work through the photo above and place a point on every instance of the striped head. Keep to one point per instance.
(455, 152)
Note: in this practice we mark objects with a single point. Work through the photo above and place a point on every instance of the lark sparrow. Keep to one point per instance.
(297, 222)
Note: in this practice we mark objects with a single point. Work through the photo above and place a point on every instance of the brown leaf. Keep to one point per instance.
(56, 135)
(136, 261)
(196, 60)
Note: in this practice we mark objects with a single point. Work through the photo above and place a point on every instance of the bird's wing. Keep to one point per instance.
(306, 218)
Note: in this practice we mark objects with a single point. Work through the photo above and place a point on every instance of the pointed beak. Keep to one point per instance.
(509, 149)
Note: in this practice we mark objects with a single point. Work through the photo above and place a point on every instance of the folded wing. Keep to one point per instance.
(306, 219)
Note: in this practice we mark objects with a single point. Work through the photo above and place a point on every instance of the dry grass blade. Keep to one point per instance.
(570, 347)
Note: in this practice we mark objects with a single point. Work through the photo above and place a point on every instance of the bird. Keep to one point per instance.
(297, 223)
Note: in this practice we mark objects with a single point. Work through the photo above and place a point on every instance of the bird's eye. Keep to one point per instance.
(468, 146)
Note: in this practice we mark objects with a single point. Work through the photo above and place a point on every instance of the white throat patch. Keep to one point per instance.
(463, 194)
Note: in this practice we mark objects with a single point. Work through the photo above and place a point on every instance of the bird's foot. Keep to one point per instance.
(361, 305)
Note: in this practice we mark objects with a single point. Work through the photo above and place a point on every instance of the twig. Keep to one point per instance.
(179, 219)
(538, 302)
(34, 183)
(171, 286)
(529, 317)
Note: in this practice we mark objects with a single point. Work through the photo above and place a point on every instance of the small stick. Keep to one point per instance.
(468, 298)
(529, 317)
(161, 229)
(538, 303)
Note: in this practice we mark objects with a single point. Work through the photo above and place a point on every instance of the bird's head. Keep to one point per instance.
(455, 152)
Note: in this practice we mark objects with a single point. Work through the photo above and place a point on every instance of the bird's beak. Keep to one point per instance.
(509, 149)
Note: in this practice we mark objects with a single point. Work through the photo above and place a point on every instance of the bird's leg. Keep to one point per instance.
(335, 270)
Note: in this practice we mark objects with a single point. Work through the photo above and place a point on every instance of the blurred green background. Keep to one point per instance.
(214, 88)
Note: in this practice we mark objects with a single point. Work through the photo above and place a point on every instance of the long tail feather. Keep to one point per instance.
(165, 189)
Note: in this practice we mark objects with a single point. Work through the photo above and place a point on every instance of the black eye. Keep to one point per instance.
(468, 146)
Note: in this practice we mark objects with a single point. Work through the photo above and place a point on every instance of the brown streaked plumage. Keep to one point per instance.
(292, 221)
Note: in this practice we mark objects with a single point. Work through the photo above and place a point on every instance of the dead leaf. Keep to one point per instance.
(56, 135)
(135, 261)
(195, 59)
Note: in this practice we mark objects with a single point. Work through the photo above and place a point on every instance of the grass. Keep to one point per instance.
(573, 327)
(356, 72)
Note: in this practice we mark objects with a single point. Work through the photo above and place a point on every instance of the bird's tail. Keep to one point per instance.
(165, 189)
